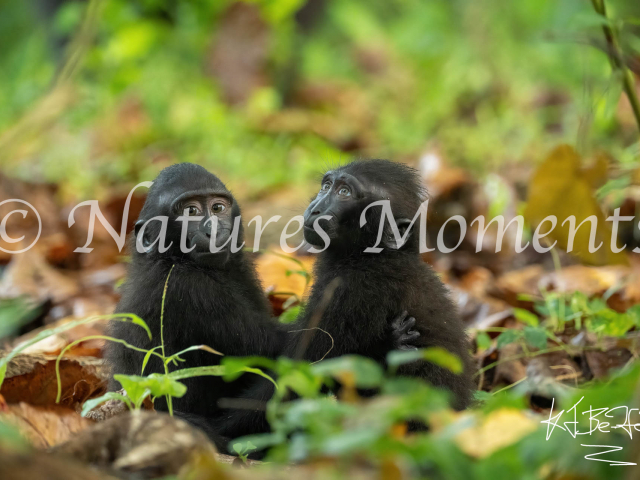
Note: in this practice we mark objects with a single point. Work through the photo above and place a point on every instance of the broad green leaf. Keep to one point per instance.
(135, 386)
(350, 440)
(236, 366)
(526, 317)
(437, 355)
(483, 340)
(157, 384)
(366, 372)
(610, 323)
(302, 382)
(634, 315)
(290, 315)
(216, 371)
(161, 385)
(15, 312)
(536, 337)
(443, 358)
(507, 337)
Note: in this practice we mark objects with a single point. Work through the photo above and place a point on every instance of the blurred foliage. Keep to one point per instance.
(489, 82)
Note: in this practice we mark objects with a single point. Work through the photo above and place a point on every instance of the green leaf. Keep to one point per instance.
(303, 382)
(526, 317)
(366, 372)
(236, 366)
(443, 358)
(481, 395)
(290, 315)
(483, 340)
(634, 315)
(217, 371)
(210, 371)
(135, 387)
(536, 337)
(15, 312)
(156, 384)
(147, 356)
(94, 402)
(507, 337)
(610, 323)
(437, 355)
(350, 440)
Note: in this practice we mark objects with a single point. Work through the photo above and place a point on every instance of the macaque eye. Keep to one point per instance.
(344, 191)
(218, 208)
(326, 187)
(192, 210)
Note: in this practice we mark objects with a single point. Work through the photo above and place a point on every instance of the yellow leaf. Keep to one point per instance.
(497, 430)
(561, 188)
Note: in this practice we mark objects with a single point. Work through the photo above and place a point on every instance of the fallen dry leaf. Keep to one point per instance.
(45, 426)
(497, 430)
(524, 281)
(32, 378)
(601, 363)
(563, 188)
(29, 274)
(38, 465)
(585, 279)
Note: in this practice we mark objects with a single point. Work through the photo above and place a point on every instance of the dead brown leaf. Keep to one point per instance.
(585, 279)
(45, 426)
(29, 274)
(32, 379)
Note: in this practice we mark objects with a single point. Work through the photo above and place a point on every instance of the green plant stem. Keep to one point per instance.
(84, 339)
(164, 357)
(617, 59)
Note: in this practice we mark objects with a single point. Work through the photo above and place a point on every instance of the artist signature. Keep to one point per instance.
(600, 420)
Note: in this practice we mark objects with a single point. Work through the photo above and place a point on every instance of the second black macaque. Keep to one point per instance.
(369, 289)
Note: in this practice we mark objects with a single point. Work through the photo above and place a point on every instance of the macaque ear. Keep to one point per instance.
(391, 241)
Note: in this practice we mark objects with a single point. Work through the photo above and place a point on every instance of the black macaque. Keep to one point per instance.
(361, 313)
(212, 299)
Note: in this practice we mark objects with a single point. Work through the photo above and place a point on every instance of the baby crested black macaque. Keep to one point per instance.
(212, 298)
(372, 288)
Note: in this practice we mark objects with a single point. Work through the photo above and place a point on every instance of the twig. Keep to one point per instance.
(324, 331)
(316, 317)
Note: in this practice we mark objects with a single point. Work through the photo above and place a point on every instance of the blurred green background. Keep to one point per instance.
(266, 92)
